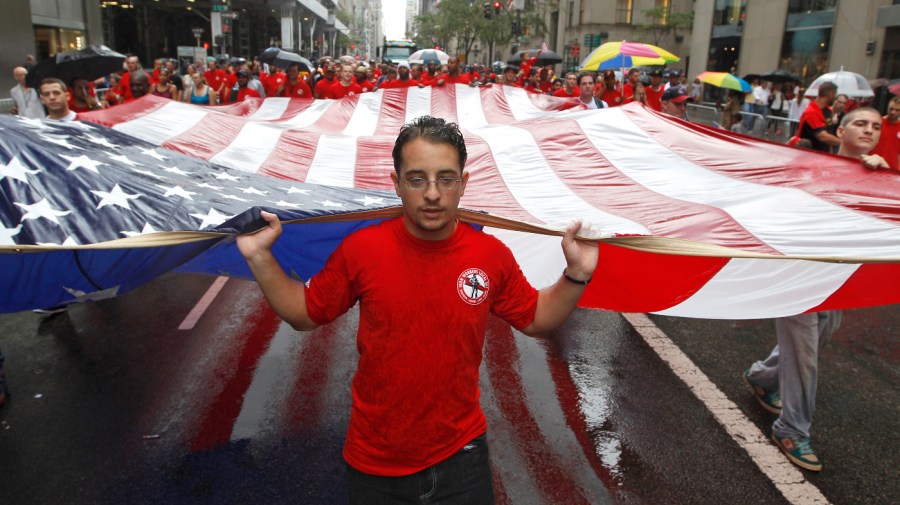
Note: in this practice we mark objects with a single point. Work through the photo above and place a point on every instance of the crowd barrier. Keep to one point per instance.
(775, 128)
(6, 105)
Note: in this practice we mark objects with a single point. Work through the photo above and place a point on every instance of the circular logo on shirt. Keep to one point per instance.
(472, 286)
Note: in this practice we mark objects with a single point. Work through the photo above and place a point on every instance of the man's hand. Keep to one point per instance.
(581, 256)
(251, 245)
(873, 162)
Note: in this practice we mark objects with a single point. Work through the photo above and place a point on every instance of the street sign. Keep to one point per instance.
(523, 38)
(230, 15)
(218, 8)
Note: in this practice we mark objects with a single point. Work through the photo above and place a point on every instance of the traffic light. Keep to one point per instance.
(497, 6)
(488, 10)
(515, 28)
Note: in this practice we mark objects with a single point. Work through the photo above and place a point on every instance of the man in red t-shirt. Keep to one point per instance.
(815, 119)
(613, 93)
(634, 78)
(426, 285)
(889, 145)
(571, 87)
(453, 75)
(273, 80)
(323, 86)
(655, 91)
(243, 77)
(216, 79)
(404, 78)
(362, 79)
(294, 86)
(346, 85)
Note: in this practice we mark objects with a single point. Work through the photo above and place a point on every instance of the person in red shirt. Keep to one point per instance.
(545, 83)
(362, 78)
(216, 79)
(634, 78)
(453, 75)
(82, 96)
(889, 144)
(613, 94)
(274, 80)
(430, 74)
(346, 85)
(323, 87)
(571, 86)
(655, 91)
(814, 121)
(509, 77)
(294, 86)
(131, 64)
(404, 78)
(415, 397)
(243, 77)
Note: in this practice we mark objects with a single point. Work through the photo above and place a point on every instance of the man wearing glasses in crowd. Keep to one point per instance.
(416, 425)
(674, 102)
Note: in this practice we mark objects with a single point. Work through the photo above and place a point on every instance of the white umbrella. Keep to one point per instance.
(848, 83)
(426, 55)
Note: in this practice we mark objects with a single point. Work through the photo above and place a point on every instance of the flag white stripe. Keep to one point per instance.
(521, 106)
(469, 110)
(539, 256)
(271, 108)
(750, 288)
(166, 122)
(538, 189)
(334, 163)
(309, 116)
(418, 103)
(789, 220)
(253, 144)
(365, 115)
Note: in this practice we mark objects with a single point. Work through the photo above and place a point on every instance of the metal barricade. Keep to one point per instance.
(6, 105)
(703, 114)
(780, 129)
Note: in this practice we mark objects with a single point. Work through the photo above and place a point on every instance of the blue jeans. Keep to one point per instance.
(462, 479)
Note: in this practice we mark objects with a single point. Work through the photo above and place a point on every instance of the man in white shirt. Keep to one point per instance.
(28, 104)
(55, 97)
(586, 92)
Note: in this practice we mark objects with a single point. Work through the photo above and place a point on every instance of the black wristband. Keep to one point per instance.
(576, 281)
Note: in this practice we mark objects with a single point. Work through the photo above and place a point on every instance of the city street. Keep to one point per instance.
(189, 390)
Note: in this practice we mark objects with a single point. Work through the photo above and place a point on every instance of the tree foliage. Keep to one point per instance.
(662, 22)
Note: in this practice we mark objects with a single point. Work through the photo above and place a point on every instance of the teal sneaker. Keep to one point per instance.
(770, 401)
(798, 450)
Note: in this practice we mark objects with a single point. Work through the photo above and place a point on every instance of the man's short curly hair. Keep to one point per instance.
(434, 130)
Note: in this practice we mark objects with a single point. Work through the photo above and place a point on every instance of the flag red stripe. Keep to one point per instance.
(208, 137)
(562, 142)
(486, 189)
(496, 107)
(871, 284)
(443, 102)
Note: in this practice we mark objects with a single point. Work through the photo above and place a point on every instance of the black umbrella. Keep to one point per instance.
(90, 63)
(544, 58)
(283, 59)
(774, 76)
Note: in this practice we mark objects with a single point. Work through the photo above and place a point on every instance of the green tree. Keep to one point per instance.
(662, 22)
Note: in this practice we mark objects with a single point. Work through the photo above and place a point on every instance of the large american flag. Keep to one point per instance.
(696, 222)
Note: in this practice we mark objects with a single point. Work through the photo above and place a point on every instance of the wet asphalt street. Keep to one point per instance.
(113, 403)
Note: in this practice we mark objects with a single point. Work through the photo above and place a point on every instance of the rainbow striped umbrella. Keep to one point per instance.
(614, 55)
(725, 80)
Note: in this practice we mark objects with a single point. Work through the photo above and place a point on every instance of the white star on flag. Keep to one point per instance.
(329, 203)
(369, 200)
(6, 235)
(294, 189)
(224, 176)
(153, 154)
(16, 170)
(116, 196)
(82, 162)
(175, 170)
(145, 231)
(68, 242)
(283, 204)
(58, 140)
(232, 197)
(121, 158)
(208, 186)
(212, 218)
(42, 209)
(102, 141)
(151, 174)
(253, 191)
(35, 123)
(177, 191)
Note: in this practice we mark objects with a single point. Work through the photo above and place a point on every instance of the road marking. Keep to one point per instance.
(786, 477)
(197, 312)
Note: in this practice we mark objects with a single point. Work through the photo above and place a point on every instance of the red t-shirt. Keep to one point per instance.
(245, 92)
(397, 83)
(812, 121)
(338, 90)
(654, 98)
(298, 90)
(613, 97)
(323, 88)
(448, 79)
(216, 79)
(422, 322)
(366, 85)
(889, 144)
(270, 85)
(562, 93)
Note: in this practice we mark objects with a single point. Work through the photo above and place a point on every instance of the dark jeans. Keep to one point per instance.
(464, 479)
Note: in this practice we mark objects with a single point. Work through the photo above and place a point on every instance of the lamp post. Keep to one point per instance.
(198, 32)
